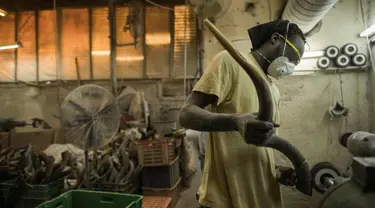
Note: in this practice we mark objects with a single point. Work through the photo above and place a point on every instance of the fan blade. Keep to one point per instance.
(78, 107)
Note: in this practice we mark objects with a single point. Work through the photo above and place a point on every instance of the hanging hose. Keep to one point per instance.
(266, 112)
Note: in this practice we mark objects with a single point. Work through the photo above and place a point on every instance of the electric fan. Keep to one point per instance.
(90, 118)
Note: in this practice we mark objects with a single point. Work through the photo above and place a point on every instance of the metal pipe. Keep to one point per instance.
(112, 35)
(329, 182)
(306, 13)
(265, 113)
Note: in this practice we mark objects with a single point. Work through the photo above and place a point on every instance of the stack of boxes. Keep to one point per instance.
(161, 169)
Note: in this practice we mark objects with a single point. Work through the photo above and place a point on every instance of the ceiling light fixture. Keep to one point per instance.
(5, 47)
(313, 54)
(3, 13)
(368, 31)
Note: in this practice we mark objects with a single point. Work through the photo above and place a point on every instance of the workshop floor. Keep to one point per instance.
(188, 199)
(292, 198)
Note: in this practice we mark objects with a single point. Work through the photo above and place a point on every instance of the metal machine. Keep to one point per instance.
(357, 191)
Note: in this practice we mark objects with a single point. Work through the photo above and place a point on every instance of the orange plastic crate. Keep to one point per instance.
(156, 152)
(173, 193)
(156, 202)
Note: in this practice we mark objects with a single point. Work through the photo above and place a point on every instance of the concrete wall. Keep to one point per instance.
(306, 99)
(23, 102)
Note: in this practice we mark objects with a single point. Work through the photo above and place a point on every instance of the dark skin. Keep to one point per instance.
(194, 116)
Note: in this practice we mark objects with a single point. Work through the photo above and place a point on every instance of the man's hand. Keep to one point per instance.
(286, 175)
(253, 130)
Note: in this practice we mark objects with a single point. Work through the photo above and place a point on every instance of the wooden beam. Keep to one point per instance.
(16, 23)
(171, 49)
(90, 44)
(144, 45)
(37, 44)
(47, 4)
(58, 26)
(113, 44)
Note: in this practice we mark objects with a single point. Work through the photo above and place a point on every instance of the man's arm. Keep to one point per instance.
(194, 116)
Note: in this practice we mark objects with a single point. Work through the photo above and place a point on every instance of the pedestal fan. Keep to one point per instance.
(90, 119)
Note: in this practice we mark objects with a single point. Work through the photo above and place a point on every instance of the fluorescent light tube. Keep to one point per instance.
(5, 47)
(313, 54)
(368, 31)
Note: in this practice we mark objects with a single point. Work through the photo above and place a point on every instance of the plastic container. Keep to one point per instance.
(161, 176)
(156, 152)
(34, 196)
(93, 199)
(173, 193)
(156, 202)
(132, 186)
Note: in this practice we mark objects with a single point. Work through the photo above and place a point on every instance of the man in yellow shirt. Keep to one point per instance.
(237, 174)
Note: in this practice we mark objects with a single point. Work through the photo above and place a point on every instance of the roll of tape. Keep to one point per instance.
(349, 49)
(332, 52)
(342, 60)
(359, 59)
(324, 62)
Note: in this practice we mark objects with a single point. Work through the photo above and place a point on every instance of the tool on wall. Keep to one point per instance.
(90, 119)
(332, 52)
(78, 72)
(342, 61)
(359, 59)
(342, 58)
(337, 110)
(349, 49)
(266, 112)
(324, 62)
(134, 22)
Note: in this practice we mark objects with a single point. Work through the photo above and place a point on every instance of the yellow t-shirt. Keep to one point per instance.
(236, 174)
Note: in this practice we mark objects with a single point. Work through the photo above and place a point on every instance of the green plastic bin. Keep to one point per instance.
(34, 196)
(94, 199)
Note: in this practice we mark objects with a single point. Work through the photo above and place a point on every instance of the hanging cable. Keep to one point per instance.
(342, 100)
(158, 5)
